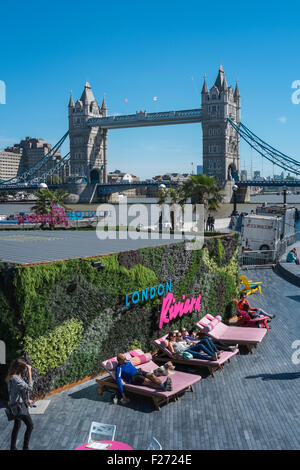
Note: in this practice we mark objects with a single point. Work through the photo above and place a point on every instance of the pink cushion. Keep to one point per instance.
(111, 365)
(208, 322)
(136, 352)
(143, 359)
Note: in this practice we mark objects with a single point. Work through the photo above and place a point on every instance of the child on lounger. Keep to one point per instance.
(208, 353)
(218, 344)
(130, 374)
(208, 342)
(189, 337)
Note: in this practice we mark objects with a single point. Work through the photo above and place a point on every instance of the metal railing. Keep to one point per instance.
(265, 257)
(258, 258)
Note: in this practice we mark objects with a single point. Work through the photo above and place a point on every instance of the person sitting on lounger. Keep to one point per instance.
(131, 375)
(218, 344)
(208, 342)
(169, 340)
(253, 312)
(179, 346)
(188, 337)
(246, 315)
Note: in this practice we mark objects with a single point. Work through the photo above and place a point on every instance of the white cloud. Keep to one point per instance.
(282, 119)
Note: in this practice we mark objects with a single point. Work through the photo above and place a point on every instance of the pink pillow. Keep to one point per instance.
(142, 359)
(148, 357)
(111, 365)
(136, 352)
(215, 321)
(208, 322)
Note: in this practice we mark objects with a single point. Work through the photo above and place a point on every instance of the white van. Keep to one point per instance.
(261, 232)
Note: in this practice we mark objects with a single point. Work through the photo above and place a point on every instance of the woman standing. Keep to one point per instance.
(19, 395)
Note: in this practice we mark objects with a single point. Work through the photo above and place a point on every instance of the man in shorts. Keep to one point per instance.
(131, 375)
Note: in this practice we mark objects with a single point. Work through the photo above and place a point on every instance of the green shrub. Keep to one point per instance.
(50, 351)
(70, 316)
(219, 253)
(135, 345)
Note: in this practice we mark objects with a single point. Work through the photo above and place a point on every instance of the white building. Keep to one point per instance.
(9, 164)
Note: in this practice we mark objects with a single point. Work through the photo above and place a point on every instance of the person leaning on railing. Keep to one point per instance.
(292, 256)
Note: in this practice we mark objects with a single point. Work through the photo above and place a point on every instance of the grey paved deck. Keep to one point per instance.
(253, 404)
(42, 246)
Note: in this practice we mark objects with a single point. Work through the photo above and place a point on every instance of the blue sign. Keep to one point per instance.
(148, 293)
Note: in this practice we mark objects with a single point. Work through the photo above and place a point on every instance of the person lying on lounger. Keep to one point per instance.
(178, 346)
(189, 337)
(208, 342)
(131, 375)
(252, 312)
(218, 344)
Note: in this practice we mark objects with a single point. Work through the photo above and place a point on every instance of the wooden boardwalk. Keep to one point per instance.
(253, 404)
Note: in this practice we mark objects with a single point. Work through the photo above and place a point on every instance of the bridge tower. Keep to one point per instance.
(221, 143)
(88, 145)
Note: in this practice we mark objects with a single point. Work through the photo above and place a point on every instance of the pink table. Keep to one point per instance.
(115, 445)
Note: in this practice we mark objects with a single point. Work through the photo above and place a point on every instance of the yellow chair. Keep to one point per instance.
(250, 286)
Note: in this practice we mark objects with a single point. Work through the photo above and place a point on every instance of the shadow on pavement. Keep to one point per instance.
(90, 393)
(294, 297)
(283, 376)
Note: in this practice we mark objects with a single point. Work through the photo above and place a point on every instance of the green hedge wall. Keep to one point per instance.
(67, 317)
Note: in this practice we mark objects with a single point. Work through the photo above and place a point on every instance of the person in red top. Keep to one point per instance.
(244, 306)
(242, 301)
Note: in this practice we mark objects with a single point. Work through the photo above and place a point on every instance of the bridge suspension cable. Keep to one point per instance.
(266, 150)
(27, 176)
(33, 183)
(47, 174)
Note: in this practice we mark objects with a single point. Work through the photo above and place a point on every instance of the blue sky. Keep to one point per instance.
(138, 50)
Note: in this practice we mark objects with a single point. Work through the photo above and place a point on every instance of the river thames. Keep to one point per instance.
(223, 211)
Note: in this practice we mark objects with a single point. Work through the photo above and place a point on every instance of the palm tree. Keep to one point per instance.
(203, 189)
(46, 199)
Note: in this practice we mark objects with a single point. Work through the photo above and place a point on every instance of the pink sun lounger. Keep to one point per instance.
(181, 381)
(215, 329)
(165, 355)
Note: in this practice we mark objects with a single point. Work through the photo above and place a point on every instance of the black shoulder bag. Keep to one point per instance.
(13, 411)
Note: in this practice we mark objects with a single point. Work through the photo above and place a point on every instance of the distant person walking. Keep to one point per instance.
(18, 391)
(212, 224)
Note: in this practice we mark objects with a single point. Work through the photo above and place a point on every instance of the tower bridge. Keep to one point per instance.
(89, 123)
(143, 119)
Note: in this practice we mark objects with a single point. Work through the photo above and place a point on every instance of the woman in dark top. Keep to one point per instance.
(19, 391)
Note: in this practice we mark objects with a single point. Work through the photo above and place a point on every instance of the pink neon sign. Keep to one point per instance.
(171, 309)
